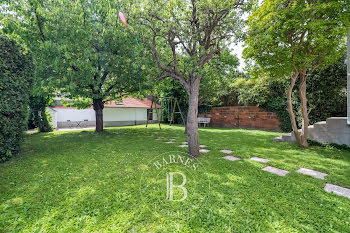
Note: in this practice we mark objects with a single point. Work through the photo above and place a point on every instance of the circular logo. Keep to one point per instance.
(173, 183)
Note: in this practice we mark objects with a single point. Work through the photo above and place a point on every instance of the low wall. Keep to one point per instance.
(250, 117)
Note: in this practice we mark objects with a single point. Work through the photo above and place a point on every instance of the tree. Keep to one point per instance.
(184, 36)
(16, 76)
(82, 49)
(293, 38)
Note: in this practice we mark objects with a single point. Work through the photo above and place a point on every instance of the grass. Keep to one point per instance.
(84, 181)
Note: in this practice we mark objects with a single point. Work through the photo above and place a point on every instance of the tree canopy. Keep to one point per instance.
(82, 49)
(295, 37)
(184, 36)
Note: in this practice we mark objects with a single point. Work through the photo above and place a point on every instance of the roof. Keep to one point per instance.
(128, 102)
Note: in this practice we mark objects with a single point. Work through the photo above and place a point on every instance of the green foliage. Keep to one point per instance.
(38, 117)
(328, 145)
(326, 95)
(80, 181)
(81, 49)
(327, 92)
(266, 92)
(279, 106)
(215, 81)
(286, 35)
(16, 72)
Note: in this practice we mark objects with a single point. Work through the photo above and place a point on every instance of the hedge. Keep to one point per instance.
(16, 76)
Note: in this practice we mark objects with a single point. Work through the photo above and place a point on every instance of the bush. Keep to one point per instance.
(326, 92)
(16, 75)
(38, 116)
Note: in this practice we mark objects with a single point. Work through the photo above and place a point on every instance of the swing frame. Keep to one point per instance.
(171, 109)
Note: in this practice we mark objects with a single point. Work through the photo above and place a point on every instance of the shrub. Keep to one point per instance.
(38, 117)
(16, 75)
(327, 92)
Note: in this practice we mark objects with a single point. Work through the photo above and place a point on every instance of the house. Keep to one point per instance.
(129, 111)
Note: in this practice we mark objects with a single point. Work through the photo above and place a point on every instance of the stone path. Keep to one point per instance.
(230, 157)
(226, 151)
(331, 188)
(204, 150)
(275, 170)
(313, 173)
(261, 160)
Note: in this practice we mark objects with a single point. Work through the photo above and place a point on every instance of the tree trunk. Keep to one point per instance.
(290, 107)
(304, 113)
(192, 121)
(98, 107)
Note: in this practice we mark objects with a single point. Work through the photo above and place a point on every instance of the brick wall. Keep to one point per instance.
(251, 117)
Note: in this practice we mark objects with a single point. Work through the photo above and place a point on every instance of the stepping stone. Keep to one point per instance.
(172, 139)
(184, 143)
(183, 146)
(230, 157)
(340, 191)
(276, 171)
(170, 142)
(204, 150)
(261, 160)
(226, 151)
(312, 173)
(202, 146)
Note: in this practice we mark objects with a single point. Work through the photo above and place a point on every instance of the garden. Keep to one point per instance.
(174, 116)
(81, 181)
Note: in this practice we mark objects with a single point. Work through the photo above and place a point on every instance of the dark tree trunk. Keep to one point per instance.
(192, 122)
(290, 106)
(98, 107)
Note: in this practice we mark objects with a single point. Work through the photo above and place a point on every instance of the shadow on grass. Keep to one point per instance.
(87, 181)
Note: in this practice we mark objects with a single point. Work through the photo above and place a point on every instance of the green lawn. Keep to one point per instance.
(84, 181)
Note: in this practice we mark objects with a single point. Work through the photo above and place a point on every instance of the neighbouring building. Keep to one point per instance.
(129, 111)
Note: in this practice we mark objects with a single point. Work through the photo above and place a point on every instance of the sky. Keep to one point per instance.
(238, 49)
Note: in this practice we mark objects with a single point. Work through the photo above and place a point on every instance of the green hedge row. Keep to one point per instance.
(16, 76)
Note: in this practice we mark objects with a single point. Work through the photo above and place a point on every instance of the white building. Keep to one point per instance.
(128, 112)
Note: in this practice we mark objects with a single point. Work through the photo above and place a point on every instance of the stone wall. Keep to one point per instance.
(250, 117)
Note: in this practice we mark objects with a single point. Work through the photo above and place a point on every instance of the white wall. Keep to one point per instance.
(124, 114)
(64, 114)
(109, 114)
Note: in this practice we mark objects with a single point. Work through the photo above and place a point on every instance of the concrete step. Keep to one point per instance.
(289, 137)
(321, 126)
(337, 123)
(334, 129)
(312, 130)
(278, 139)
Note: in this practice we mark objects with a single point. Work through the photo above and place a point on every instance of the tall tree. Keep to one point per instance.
(82, 48)
(293, 38)
(184, 36)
